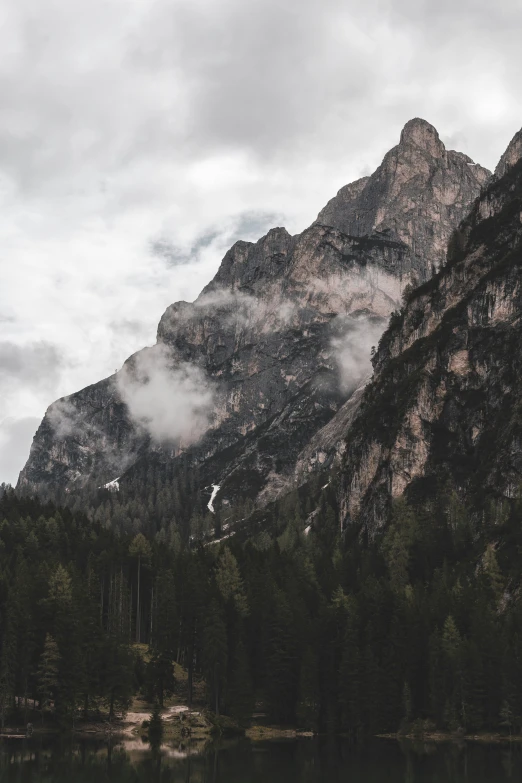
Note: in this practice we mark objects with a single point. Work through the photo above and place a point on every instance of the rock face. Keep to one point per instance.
(275, 346)
(418, 195)
(444, 406)
(511, 156)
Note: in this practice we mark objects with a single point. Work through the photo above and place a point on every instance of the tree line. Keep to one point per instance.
(420, 626)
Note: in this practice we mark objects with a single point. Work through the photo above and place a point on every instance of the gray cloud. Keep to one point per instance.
(96, 91)
(176, 256)
(252, 225)
(249, 225)
(15, 441)
(28, 372)
(38, 364)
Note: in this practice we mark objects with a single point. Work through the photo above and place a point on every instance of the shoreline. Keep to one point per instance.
(445, 736)
(179, 717)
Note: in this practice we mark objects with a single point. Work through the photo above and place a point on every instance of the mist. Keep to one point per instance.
(353, 347)
(170, 402)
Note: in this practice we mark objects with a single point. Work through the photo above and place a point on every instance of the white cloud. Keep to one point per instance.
(233, 309)
(170, 401)
(65, 420)
(352, 348)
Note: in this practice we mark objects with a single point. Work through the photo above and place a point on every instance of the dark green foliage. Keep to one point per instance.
(240, 695)
(214, 649)
(64, 641)
(48, 673)
(421, 626)
(155, 727)
(309, 695)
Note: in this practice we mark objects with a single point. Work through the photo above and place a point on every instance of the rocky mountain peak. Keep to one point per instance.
(252, 385)
(421, 134)
(419, 193)
(511, 156)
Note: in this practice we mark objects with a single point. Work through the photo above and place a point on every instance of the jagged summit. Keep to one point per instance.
(246, 262)
(423, 135)
(417, 194)
(251, 386)
(511, 156)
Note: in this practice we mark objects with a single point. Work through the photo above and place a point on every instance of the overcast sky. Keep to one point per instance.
(140, 138)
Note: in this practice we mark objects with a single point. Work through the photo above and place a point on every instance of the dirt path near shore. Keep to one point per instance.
(134, 719)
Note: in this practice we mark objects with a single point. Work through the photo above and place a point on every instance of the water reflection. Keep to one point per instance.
(42, 760)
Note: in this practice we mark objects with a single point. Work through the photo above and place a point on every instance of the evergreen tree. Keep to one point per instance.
(155, 727)
(140, 551)
(48, 673)
(308, 704)
(214, 654)
(281, 673)
(350, 695)
(240, 694)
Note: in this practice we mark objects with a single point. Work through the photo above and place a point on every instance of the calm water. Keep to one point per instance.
(301, 761)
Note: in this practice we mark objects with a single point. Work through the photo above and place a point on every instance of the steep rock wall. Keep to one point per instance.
(445, 403)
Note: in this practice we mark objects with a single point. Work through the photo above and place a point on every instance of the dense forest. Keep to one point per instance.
(161, 498)
(323, 629)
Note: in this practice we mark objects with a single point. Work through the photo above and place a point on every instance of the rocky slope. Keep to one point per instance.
(253, 382)
(445, 405)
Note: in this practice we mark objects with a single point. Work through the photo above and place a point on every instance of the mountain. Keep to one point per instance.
(444, 408)
(251, 387)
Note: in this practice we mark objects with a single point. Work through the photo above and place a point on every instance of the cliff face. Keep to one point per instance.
(445, 404)
(418, 195)
(274, 346)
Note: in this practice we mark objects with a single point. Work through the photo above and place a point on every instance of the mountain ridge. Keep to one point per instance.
(273, 347)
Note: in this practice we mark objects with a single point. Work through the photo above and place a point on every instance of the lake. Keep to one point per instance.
(292, 761)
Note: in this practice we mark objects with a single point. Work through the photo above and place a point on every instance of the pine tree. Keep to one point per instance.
(452, 660)
(116, 675)
(139, 550)
(214, 654)
(7, 665)
(240, 694)
(281, 672)
(48, 673)
(229, 582)
(66, 626)
(493, 573)
(350, 695)
(160, 671)
(308, 701)
(155, 727)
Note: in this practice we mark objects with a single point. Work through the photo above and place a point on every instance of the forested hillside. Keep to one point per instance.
(326, 631)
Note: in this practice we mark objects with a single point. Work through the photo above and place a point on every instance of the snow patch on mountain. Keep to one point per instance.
(210, 504)
(113, 486)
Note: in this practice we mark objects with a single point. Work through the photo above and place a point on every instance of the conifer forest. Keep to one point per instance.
(329, 631)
